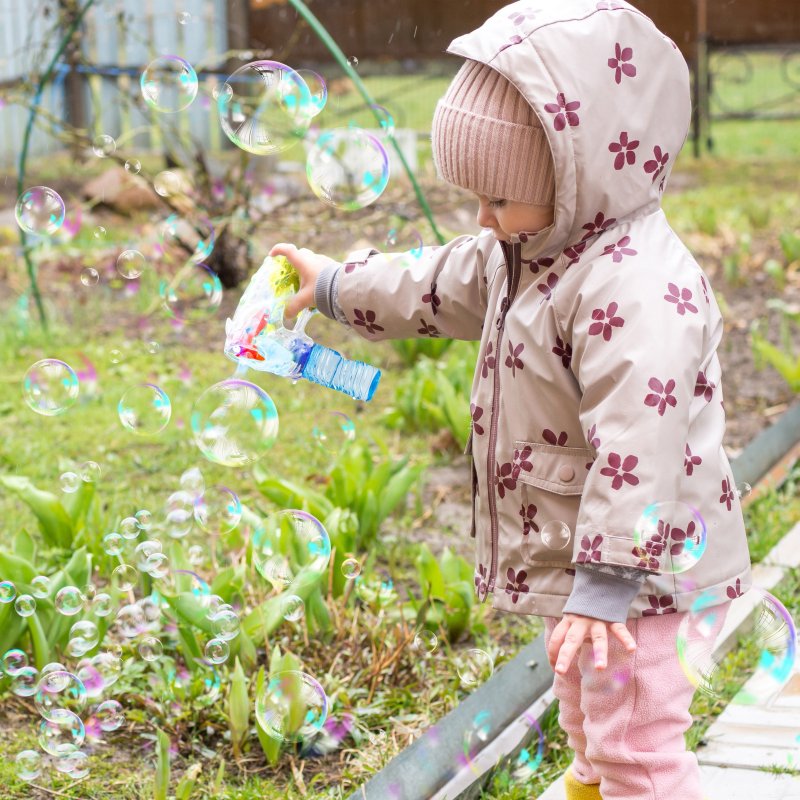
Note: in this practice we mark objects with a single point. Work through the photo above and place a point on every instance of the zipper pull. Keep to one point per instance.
(503, 311)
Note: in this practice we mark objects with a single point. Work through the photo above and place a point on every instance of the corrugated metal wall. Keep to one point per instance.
(120, 39)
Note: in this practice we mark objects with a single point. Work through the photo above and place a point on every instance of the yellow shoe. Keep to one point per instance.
(580, 791)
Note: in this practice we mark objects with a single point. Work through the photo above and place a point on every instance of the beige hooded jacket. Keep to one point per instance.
(596, 400)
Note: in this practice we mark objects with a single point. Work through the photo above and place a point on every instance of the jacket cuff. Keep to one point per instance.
(323, 290)
(600, 595)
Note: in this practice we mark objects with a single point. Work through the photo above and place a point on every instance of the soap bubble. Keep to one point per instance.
(556, 535)
(407, 240)
(290, 543)
(102, 604)
(144, 409)
(268, 109)
(669, 537)
(83, 636)
(144, 519)
(192, 482)
(170, 184)
(277, 706)
(50, 387)
(169, 84)
(333, 431)
(177, 231)
(129, 528)
(184, 18)
(425, 640)
(131, 620)
(70, 481)
(217, 651)
(75, 764)
(218, 510)
(104, 145)
(12, 661)
(157, 566)
(193, 295)
(40, 211)
(28, 765)
(131, 264)
(225, 91)
(234, 423)
(474, 666)
(7, 592)
(40, 586)
(124, 577)
(144, 550)
(99, 673)
(133, 165)
(25, 605)
(347, 168)
(90, 472)
(112, 544)
(150, 648)
(110, 716)
(293, 608)
(24, 681)
(114, 355)
(768, 645)
(317, 88)
(179, 512)
(353, 62)
(62, 735)
(386, 121)
(743, 489)
(152, 347)
(225, 624)
(90, 276)
(58, 692)
(69, 601)
(351, 569)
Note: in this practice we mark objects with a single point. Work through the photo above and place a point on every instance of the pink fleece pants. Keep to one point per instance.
(626, 722)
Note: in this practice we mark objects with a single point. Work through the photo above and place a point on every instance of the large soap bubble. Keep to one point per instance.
(234, 423)
(669, 537)
(169, 84)
(292, 706)
(265, 107)
(40, 211)
(194, 294)
(347, 168)
(50, 387)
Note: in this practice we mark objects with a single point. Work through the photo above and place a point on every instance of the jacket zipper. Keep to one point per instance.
(513, 257)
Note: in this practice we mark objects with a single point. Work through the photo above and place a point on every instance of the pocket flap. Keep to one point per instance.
(555, 469)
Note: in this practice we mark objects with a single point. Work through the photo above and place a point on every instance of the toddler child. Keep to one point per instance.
(596, 403)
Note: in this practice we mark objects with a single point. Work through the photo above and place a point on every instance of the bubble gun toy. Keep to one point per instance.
(257, 337)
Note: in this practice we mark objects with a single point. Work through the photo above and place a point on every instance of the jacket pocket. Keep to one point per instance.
(551, 491)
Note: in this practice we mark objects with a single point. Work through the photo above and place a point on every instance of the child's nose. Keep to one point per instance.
(485, 218)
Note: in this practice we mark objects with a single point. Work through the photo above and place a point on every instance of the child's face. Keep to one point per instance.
(507, 218)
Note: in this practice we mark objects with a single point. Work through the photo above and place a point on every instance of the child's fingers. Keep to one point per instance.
(303, 299)
(624, 635)
(556, 640)
(599, 644)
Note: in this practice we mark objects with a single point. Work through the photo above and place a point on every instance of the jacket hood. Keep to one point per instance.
(613, 95)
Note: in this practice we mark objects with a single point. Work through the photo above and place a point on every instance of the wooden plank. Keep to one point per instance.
(738, 784)
(786, 552)
(746, 756)
(779, 737)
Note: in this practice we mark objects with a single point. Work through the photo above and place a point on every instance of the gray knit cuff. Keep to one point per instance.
(602, 596)
(323, 298)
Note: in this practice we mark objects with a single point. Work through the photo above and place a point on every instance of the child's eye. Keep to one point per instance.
(496, 203)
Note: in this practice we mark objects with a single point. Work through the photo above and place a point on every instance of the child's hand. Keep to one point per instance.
(308, 265)
(573, 630)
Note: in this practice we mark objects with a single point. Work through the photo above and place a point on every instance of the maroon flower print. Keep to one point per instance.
(691, 461)
(681, 298)
(622, 55)
(661, 396)
(605, 321)
(488, 360)
(476, 412)
(735, 591)
(679, 537)
(705, 288)
(624, 149)
(367, 320)
(590, 549)
(504, 478)
(480, 580)
(528, 513)
(660, 605)
(574, 253)
(650, 552)
(620, 249)
(547, 288)
(564, 111)
(563, 351)
(428, 330)
(551, 438)
(521, 461)
(727, 493)
(519, 17)
(433, 299)
(516, 583)
(621, 471)
(515, 39)
(592, 438)
(704, 387)
(598, 226)
(513, 360)
(538, 263)
(657, 164)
